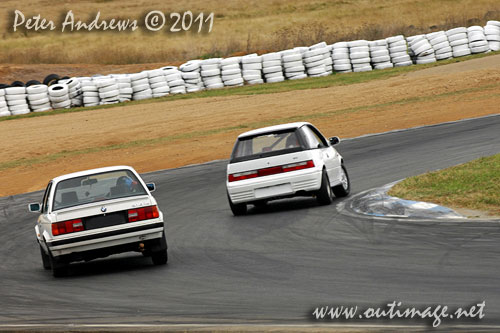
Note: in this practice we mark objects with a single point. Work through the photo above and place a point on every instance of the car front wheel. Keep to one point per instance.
(344, 188)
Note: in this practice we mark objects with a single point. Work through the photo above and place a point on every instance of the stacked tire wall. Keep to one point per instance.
(317, 60)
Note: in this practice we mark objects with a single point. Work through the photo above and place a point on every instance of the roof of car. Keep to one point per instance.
(91, 172)
(273, 129)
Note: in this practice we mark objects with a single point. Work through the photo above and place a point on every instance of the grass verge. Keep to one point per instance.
(473, 185)
(270, 88)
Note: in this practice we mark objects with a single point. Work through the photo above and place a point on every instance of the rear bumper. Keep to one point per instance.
(105, 241)
(275, 186)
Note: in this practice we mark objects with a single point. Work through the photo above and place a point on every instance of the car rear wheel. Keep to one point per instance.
(45, 259)
(59, 269)
(344, 188)
(324, 195)
(160, 257)
(237, 209)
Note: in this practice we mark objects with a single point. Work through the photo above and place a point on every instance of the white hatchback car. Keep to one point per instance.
(284, 161)
(96, 213)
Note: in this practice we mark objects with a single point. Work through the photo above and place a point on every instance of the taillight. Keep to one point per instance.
(144, 213)
(242, 175)
(271, 171)
(66, 227)
(298, 166)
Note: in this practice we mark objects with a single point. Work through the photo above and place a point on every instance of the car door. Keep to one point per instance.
(329, 154)
(43, 222)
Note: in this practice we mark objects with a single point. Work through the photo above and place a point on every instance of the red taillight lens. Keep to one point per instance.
(271, 171)
(66, 227)
(144, 213)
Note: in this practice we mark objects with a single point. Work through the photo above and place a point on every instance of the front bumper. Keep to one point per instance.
(274, 186)
(105, 239)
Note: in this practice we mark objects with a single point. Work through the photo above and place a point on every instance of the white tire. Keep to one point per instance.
(461, 48)
(461, 53)
(109, 94)
(316, 70)
(444, 50)
(178, 76)
(340, 56)
(494, 46)
(252, 72)
(395, 39)
(251, 77)
(231, 72)
(401, 42)
(211, 72)
(292, 64)
(176, 83)
(342, 62)
(190, 76)
(154, 73)
(62, 105)
(403, 64)
(491, 30)
(15, 91)
(35, 97)
(230, 77)
(312, 53)
(272, 75)
(157, 85)
(106, 89)
(5, 113)
(380, 59)
(252, 66)
(158, 79)
(138, 76)
(140, 82)
(384, 65)
(438, 39)
(37, 89)
(93, 93)
(17, 102)
(399, 54)
(361, 61)
(275, 79)
(140, 97)
(343, 67)
(359, 55)
(295, 69)
(215, 86)
(444, 56)
(10, 98)
(479, 43)
(90, 100)
(425, 61)
(59, 99)
(46, 107)
(493, 38)
(459, 30)
(480, 49)
(379, 53)
(235, 82)
(230, 61)
(292, 57)
(456, 37)
(246, 60)
(271, 56)
(212, 80)
(274, 69)
(161, 90)
(315, 58)
(401, 48)
(401, 59)
(440, 46)
(139, 88)
(363, 69)
(90, 89)
(357, 49)
(40, 102)
(19, 110)
(356, 43)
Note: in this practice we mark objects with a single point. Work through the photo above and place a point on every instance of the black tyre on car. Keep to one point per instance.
(324, 194)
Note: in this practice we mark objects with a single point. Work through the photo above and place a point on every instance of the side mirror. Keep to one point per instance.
(151, 187)
(334, 140)
(35, 207)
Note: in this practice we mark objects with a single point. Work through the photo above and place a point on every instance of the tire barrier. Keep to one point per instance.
(340, 58)
(379, 54)
(272, 67)
(191, 75)
(16, 101)
(492, 32)
(252, 69)
(38, 98)
(317, 60)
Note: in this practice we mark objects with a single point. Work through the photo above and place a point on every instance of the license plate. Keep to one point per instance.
(265, 192)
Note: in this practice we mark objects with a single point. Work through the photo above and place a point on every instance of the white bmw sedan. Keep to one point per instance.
(284, 161)
(96, 213)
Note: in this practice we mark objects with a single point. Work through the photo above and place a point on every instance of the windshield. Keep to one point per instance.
(268, 144)
(98, 187)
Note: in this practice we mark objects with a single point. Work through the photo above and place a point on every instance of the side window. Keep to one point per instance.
(311, 138)
(46, 198)
(318, 136)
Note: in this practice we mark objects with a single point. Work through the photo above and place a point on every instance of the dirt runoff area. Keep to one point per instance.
(170, 134)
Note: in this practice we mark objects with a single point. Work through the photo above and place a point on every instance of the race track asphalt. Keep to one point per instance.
(276, 264)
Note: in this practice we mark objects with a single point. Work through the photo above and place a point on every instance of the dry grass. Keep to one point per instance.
(474, 185)
(241, 26)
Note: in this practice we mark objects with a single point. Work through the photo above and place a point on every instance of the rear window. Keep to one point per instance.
(98, 187)
(268, 144)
